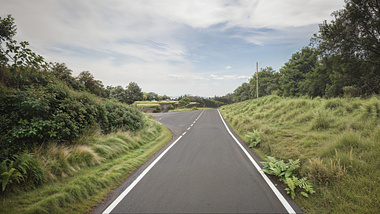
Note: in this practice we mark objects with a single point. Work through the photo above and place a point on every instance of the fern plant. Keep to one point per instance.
(254, 138)
(9, 174)
(285, 173)
(23, 168)
(279, 168)
(303, 184)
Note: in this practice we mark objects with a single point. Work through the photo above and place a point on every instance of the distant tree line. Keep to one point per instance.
(210, 102)
(343, 59)
(85, 81)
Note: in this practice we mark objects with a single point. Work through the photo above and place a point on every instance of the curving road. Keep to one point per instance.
(203, 170)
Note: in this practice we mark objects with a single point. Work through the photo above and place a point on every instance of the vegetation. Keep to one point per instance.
(336, 141)
(343, 60)
(285, 173)
(184, 101)
(213, 102)
(64, 143)
(254, 138)
(79, 176)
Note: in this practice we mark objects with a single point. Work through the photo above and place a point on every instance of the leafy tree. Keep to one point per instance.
(350, 48)
(152, 96)
(118, 93)
(165, 97)
(133, 93)
(269, 82)
(354, 33)
(94, 86)
(62, 72)
(241, 93)
(16, 55)
(294, 72)
(184, 101)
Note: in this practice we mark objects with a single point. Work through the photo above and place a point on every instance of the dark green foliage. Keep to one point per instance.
(93, 86)
(184, 101)
(343, 59)
(129, 95)
(242, 93)
(37, 108)
(295, 72)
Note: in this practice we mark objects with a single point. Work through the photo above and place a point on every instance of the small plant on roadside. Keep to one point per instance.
(285, 173)
(23, 168)
(303, 184)
(9, 174)
(254, 138)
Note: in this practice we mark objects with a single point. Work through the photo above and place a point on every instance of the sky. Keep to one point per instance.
(171, 47)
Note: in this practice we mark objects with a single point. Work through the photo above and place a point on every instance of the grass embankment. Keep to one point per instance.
(79, 176)
(337, 141)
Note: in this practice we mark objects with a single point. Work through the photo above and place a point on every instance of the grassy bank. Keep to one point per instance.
(337, 141)
(81, 175)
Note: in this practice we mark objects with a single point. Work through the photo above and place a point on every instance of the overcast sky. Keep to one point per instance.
(171, 47)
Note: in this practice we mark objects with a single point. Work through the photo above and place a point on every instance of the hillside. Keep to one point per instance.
(337, 141)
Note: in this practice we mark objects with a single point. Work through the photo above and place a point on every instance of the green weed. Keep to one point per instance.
(254, 138)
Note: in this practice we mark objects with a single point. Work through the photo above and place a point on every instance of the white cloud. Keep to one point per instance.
(228, 77)
(146, 41)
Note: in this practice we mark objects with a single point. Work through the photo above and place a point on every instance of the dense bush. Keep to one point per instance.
(37, 108)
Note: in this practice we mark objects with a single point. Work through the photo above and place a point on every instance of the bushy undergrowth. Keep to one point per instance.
(36, 108)
(337, 141)
(79, 176)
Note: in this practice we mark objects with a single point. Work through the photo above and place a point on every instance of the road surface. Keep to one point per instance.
(203, 170)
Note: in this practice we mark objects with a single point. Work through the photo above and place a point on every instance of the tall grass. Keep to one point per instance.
(337, 141)
(79, 176)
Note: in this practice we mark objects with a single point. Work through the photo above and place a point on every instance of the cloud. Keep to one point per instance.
(228, 77)
(163, 44)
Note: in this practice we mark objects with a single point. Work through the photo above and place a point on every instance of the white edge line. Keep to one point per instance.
(269, 182)
(134, 183)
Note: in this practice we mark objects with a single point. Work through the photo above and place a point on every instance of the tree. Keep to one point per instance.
(94, 86)
(269, 82)
(294, 72)
(184, 101)
(351, 42)
(152, 96)
(118, 93)
(17, 56)
(133, 93)
(62, 72)
(241, 93)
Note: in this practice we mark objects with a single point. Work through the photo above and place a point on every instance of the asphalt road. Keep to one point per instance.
(203, 170)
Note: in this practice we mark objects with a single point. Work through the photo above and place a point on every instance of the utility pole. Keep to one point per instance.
(257, 80)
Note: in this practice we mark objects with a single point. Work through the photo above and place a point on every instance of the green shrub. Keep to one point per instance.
(321, 120)
(254, 138)
(45, 109)
(285, 173)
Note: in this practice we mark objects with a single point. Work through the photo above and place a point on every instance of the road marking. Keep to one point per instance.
(269, 182)
(130, 187)
(135, 182)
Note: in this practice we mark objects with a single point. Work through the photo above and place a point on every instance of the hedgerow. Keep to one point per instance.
(36, 108)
